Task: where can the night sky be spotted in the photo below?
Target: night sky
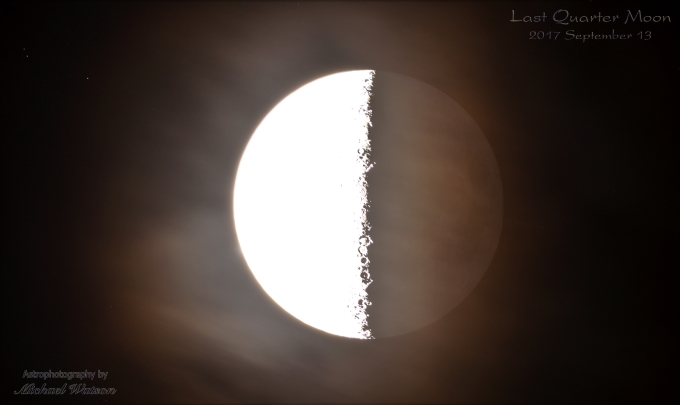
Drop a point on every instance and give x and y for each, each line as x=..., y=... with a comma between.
x=123, y=125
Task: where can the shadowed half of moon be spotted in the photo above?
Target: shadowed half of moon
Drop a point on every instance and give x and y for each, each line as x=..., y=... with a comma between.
x=368, y=204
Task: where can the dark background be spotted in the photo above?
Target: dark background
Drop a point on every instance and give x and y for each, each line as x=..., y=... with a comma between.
x=123, y=124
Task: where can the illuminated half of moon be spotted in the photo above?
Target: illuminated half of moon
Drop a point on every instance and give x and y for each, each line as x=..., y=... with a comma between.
x=300, y=203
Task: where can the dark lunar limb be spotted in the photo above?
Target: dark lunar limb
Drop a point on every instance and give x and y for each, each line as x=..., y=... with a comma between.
x=435, y=205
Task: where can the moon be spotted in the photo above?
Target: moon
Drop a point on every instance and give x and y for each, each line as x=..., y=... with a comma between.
x=300, y=203
x=367, y=204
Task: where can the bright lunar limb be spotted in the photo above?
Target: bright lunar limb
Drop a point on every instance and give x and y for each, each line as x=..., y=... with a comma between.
x=300, y=202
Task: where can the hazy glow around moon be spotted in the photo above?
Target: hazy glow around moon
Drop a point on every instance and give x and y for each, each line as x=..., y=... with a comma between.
x=300, y=203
